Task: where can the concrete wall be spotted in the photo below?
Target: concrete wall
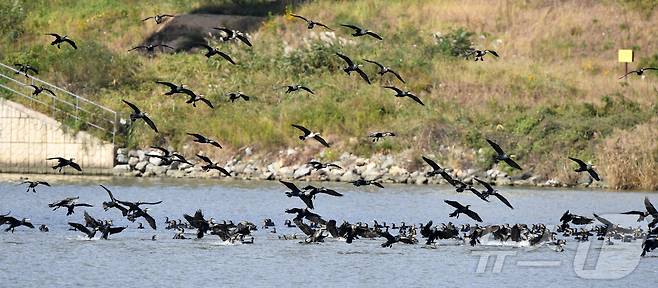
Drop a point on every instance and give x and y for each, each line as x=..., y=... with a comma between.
x=28, y=137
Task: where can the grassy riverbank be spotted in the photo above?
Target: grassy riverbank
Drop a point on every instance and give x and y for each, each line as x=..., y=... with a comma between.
x=553, y=92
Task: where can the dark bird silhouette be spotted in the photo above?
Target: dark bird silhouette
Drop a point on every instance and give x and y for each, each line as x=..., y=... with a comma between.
x=308, y=134
x=364, y=182
x=310, y=24
x=233, y=34
x=232, y=96
x=479, y=54
x=502, y=156
x=400, y=93
x=650, y=210
x=214, y=51
x=639, y=72
x=174, y=89
x=150, y=48
x=383, y=70
x=462, y=209
x=586, y=167
x=138, y=114
x=491, y=191
x=158, y=18
x=317, y=165
x=358, y=31
x=198, y=138
x=72, y=206
x=296, y=192
x=15, y=223
x=33, y=184
x=39, y=89
x=352, y=67
x=25, y=69
x=390, y=239
x=312, y=190
x=376, y=136
x=61, y=163
x=297, y=87
x=308, y=215
x=575, y=219
x=199, y=222
x=69, y=203
x=212, y=165
x=113, y=203
x=437, y=170
x=649, y=244
x=196, y=98
x=62, y=39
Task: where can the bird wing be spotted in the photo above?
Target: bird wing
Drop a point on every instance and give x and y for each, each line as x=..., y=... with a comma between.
x=650, y=68
x=633, y=213
x=415, y=98
x=290, y=186
x=198, y=137
x=71, y=43
x=147, y=18
x=49, y=91
x=306, y=131
x=204, y=158
x=495, y=147
x=168, y=84
x=375, y=62
x=606, y=222
x=54, y=35
x=75, y=166
x=351, y=26
x=650, y=208
x=373, y=34
x=115, y=230
x=363, y=75
x=503, y=199
x=81, y=228
x=473, y=215
x=581, y=163
x=386, y=235
x=345, y=58
x=150, y=123
x=44, y=183
x=511, y=162
x=167, y=46
x=448, y=178
x=492, y=52
x=132, y=106
x=136, y=47
x=565, y=217
x=377, y=184
x=322, y=25
x=150, y=220
x=307, y=89
x=307, y=200
x=321, y=140
x=108, y=192
x=396, y=75
x=330, y=192
x=454, y=204
x=478, y=193
x=223, y=171
x=82, y=205
x=396, y=89
x=148, y=203
x=485, y=184
x=204, y=100
x=225, y=56
x=244, y=39
x=300, y=17
x=163, y=150
x=302, y=226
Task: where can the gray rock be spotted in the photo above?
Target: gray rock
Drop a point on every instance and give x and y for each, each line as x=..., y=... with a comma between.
x=122, y=151
x=421, y=180
x=155, y=161
x=302, y=171
x=122, y=168
x=175, y=173
x=349, y=176
x=133, y=153
x=122, y=159
x=141, y=166
x=132, y=161
x=155, y=170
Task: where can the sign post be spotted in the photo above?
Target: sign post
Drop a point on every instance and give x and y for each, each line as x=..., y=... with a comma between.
x=625, y=56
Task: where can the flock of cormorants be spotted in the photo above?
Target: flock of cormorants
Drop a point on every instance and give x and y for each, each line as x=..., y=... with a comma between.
x=315, y=227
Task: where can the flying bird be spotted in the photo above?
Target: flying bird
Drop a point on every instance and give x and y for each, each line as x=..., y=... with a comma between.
x=390, y=239
x=502, y=156
x=310, y=24
x=25, y=69
x=198, y=138
x=158, y=18
x=491, y=191
x=297, y=87
x=308, y=134
x=138, y=114
x=351, y=67
x=196, y=98
x=582, y=167
x=211, y=165
x=233, y=34
x=39, y=89
x=62, y=39
x=33, y=184
x=383, y=70
x=214, y=51
x=317, y=165
x=151, y=47
x=364, y=182
x=650, y=211
x=400, y=93
x=61, y=163
x=376, y=136
x=174, y=89
x=639, y=72
x=462, y=209
x=232, y=96
x=479, y=54
x=358, y=31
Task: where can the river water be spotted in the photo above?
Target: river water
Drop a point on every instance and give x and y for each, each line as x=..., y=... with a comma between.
x=63, y=258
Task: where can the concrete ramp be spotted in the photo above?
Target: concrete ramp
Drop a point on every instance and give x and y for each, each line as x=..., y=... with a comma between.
x=28, y=137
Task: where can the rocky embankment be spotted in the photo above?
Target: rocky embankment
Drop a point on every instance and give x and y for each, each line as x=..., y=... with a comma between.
x=248, y=166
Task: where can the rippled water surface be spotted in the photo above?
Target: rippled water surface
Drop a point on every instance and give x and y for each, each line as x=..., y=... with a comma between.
x=62, y=258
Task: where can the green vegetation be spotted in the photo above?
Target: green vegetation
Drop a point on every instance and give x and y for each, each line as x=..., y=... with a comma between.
x=553, y=92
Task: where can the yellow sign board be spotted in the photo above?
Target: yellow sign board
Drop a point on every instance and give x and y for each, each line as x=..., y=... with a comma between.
x=625, y=56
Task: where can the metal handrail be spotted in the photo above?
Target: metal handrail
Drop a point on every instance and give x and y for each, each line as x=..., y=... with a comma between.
x=107, y=115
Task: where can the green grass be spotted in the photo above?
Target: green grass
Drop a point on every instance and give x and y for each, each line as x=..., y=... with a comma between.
x=552, y=93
